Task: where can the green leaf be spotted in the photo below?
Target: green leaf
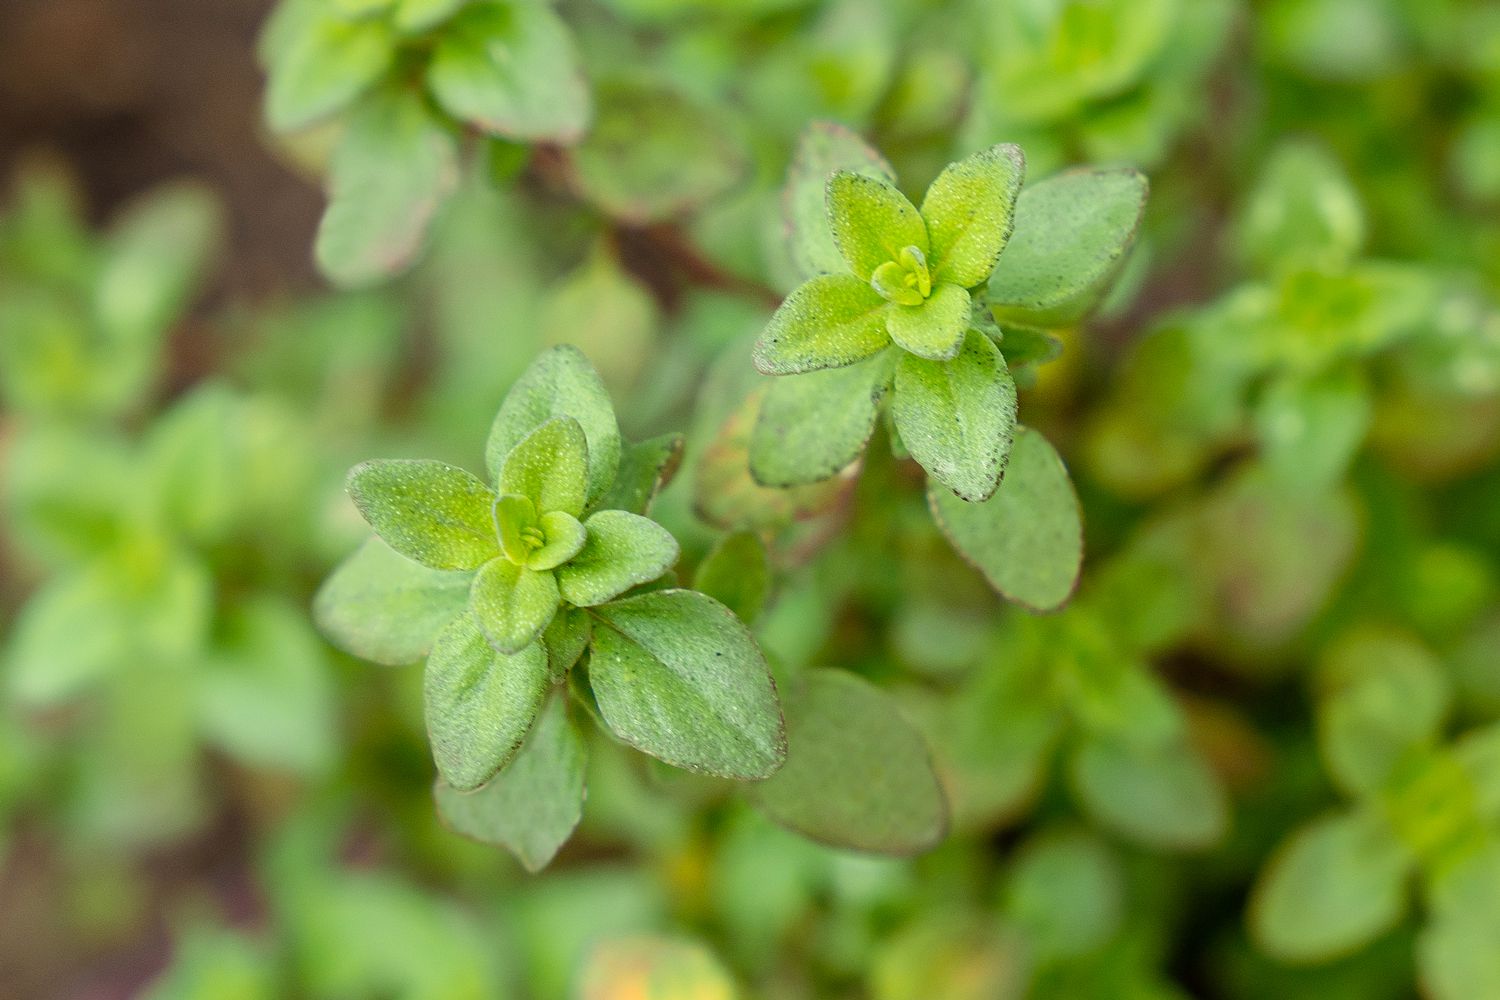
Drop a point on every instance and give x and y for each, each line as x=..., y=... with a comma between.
x=434, y=513
x=1072, y=234
x=413, y=16
x=646, y=468
x=1311, y=428
x=823, y=148
x=566, y=639
x=1332, y=887
x=510, y=67
x=830, y=321
x=158, y=251
x=550, y=467
x=654, y=152
x=391, y=170
x=559, y=383
x=677, y=676
x=1479, y=753
x=563, y=538
x=622, y=550
x=1066, y=893
x=324, y=67
x=532, y=807
x=737, y=573
x=266, y=691
x=957, y=417
x=1166, y=797
x=1027, y=539
x=127, y=609
x=872, y=221
x=970, y=212
x=812, y=426
x=857, y=773
x=934, y=329
x=381, y=606
x=1303, y=212
x=1382, y=695
x=512, y=603
x=479, y=702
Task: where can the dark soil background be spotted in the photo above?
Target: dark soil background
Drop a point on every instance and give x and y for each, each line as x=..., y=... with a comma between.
x=129, y=93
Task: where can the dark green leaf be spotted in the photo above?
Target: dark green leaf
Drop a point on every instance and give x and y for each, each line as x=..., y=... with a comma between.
x=646, y=467
x=737, y=573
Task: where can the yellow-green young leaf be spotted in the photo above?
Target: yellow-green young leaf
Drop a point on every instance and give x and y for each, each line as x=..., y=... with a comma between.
x=532, y=806
x=1072, y=235
x=654, y=968
x=1382, y=694
x=1027, y=539
x=381, y=606
x=934, y=329
x=419, y=15
x=479, y=702
x=510, y=67
x=646, y=467
x=812, y=426
x=970, y=212
x=265, y=691
x=562, y=538
x=677, y=676
x=392, y=169
x=737, y=573
x=1065, y=893
x=872, y=221
x=654, y=153
x=1166, y=797
x=622, y=550
x=830, y=321
x=323, y=67
x=857, y=773
x=559, y=383
x=550, y=467
x=514, y=515
x=434, y=513
x=1332, y=887
x=957, y=417
x=512, y=604
x=823, y=148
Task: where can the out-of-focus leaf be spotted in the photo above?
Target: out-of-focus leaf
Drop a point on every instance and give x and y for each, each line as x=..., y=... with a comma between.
x=737, y=573
x=654, y=968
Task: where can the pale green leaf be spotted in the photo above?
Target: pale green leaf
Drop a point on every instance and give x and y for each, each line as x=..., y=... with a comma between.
x=1166, y=797
x=823, y=148
x=857, y=773
x=1066, y=893
x=1479, y=753
x=622, y=550
x=550, y=467
x=872, y=221
x=479, y=703
x=265, y=691
x=381, y=606
x=737, y=573
x=559, y=383
x=934, y=329
x=1027, y=539
x=323, y=67
x=512, y=604
x=957, y=418
x=532, y=806
x=437, y=514
x=414, y=16
x=391, y=170
x=510, y=67
x=677, y=676
x=1330, y=888
x=1072, y=234
x=830, y=321
x=812, y=426
x=1310, y=429
x=157, y=252
x=1303, y=211
x=970, y=212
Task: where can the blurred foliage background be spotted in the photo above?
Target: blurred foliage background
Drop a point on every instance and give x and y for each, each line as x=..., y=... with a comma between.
x=1257, y=755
